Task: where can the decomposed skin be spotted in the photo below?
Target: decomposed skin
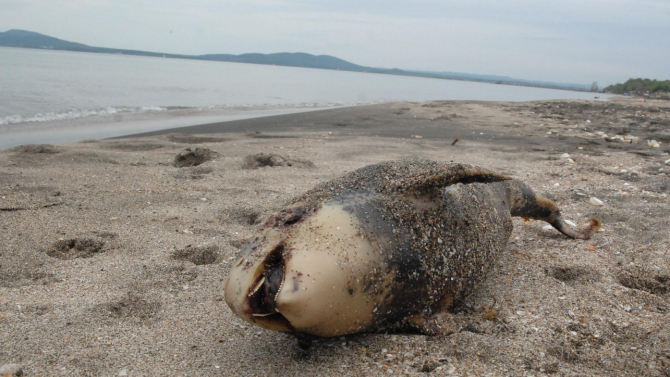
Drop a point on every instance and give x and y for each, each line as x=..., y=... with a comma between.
x=386, y=247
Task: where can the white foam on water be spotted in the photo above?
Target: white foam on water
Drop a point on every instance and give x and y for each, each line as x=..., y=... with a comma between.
x=77, y=113
x=111, y=111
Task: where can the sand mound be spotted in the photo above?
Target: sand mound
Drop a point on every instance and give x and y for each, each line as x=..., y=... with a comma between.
x=260, y=160
x=193, y=157
x=242, y=215
x=657, y=284
x=75, y=248
x=575, y=274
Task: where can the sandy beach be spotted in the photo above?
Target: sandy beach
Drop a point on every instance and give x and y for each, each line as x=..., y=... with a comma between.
x=112, y=259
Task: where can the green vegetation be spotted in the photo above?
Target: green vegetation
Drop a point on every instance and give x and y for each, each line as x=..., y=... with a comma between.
x=640, y=86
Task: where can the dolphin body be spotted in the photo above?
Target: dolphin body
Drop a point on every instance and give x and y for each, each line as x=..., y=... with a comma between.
x=387, y=247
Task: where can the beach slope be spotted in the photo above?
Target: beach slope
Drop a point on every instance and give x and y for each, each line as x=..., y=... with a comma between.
x=113, y=253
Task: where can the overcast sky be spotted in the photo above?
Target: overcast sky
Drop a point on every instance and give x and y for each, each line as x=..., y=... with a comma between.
x=578, y=41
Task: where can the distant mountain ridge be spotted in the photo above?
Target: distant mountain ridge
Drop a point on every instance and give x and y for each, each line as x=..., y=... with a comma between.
x=295, y=59
x=30, y=39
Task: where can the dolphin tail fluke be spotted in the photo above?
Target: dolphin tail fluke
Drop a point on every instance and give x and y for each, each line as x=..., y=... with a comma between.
x=524, y=203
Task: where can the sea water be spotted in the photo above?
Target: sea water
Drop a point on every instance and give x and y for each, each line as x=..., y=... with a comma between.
x=60, y=96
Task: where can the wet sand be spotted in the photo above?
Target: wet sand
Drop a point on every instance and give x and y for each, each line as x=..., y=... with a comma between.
x=112, y=259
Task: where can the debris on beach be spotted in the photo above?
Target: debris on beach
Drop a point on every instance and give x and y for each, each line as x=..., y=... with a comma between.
x=622, y=138
x=75, y=248
x=193, y=157
x=596, y=202
x=36, y=149
x=11, y=370
x=260, y=160
x=653, y=143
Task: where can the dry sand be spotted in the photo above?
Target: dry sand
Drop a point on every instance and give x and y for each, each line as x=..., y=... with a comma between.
x=112, y=260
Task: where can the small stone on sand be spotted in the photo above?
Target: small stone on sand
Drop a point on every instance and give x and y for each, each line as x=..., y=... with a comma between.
x=11, y=370
x=653, y=143
x=596, y=202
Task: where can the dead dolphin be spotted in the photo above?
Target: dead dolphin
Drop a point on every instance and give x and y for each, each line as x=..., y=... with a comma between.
x=386, y=247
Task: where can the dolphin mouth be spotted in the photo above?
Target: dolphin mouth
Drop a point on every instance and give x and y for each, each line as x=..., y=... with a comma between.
x=261, y=302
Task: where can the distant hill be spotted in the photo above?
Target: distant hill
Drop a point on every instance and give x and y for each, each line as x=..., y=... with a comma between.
x=29, y=39
x=298, y=59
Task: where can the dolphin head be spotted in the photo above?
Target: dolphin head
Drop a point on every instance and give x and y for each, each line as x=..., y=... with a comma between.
x=309, y=272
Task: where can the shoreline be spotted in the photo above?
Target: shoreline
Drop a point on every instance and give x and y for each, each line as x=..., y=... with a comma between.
x=390, y=120
x=346, y=120
x=142, y=293
x=118, y=125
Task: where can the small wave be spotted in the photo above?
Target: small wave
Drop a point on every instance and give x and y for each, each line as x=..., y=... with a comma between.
x=109, y=111
x=77, y=113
